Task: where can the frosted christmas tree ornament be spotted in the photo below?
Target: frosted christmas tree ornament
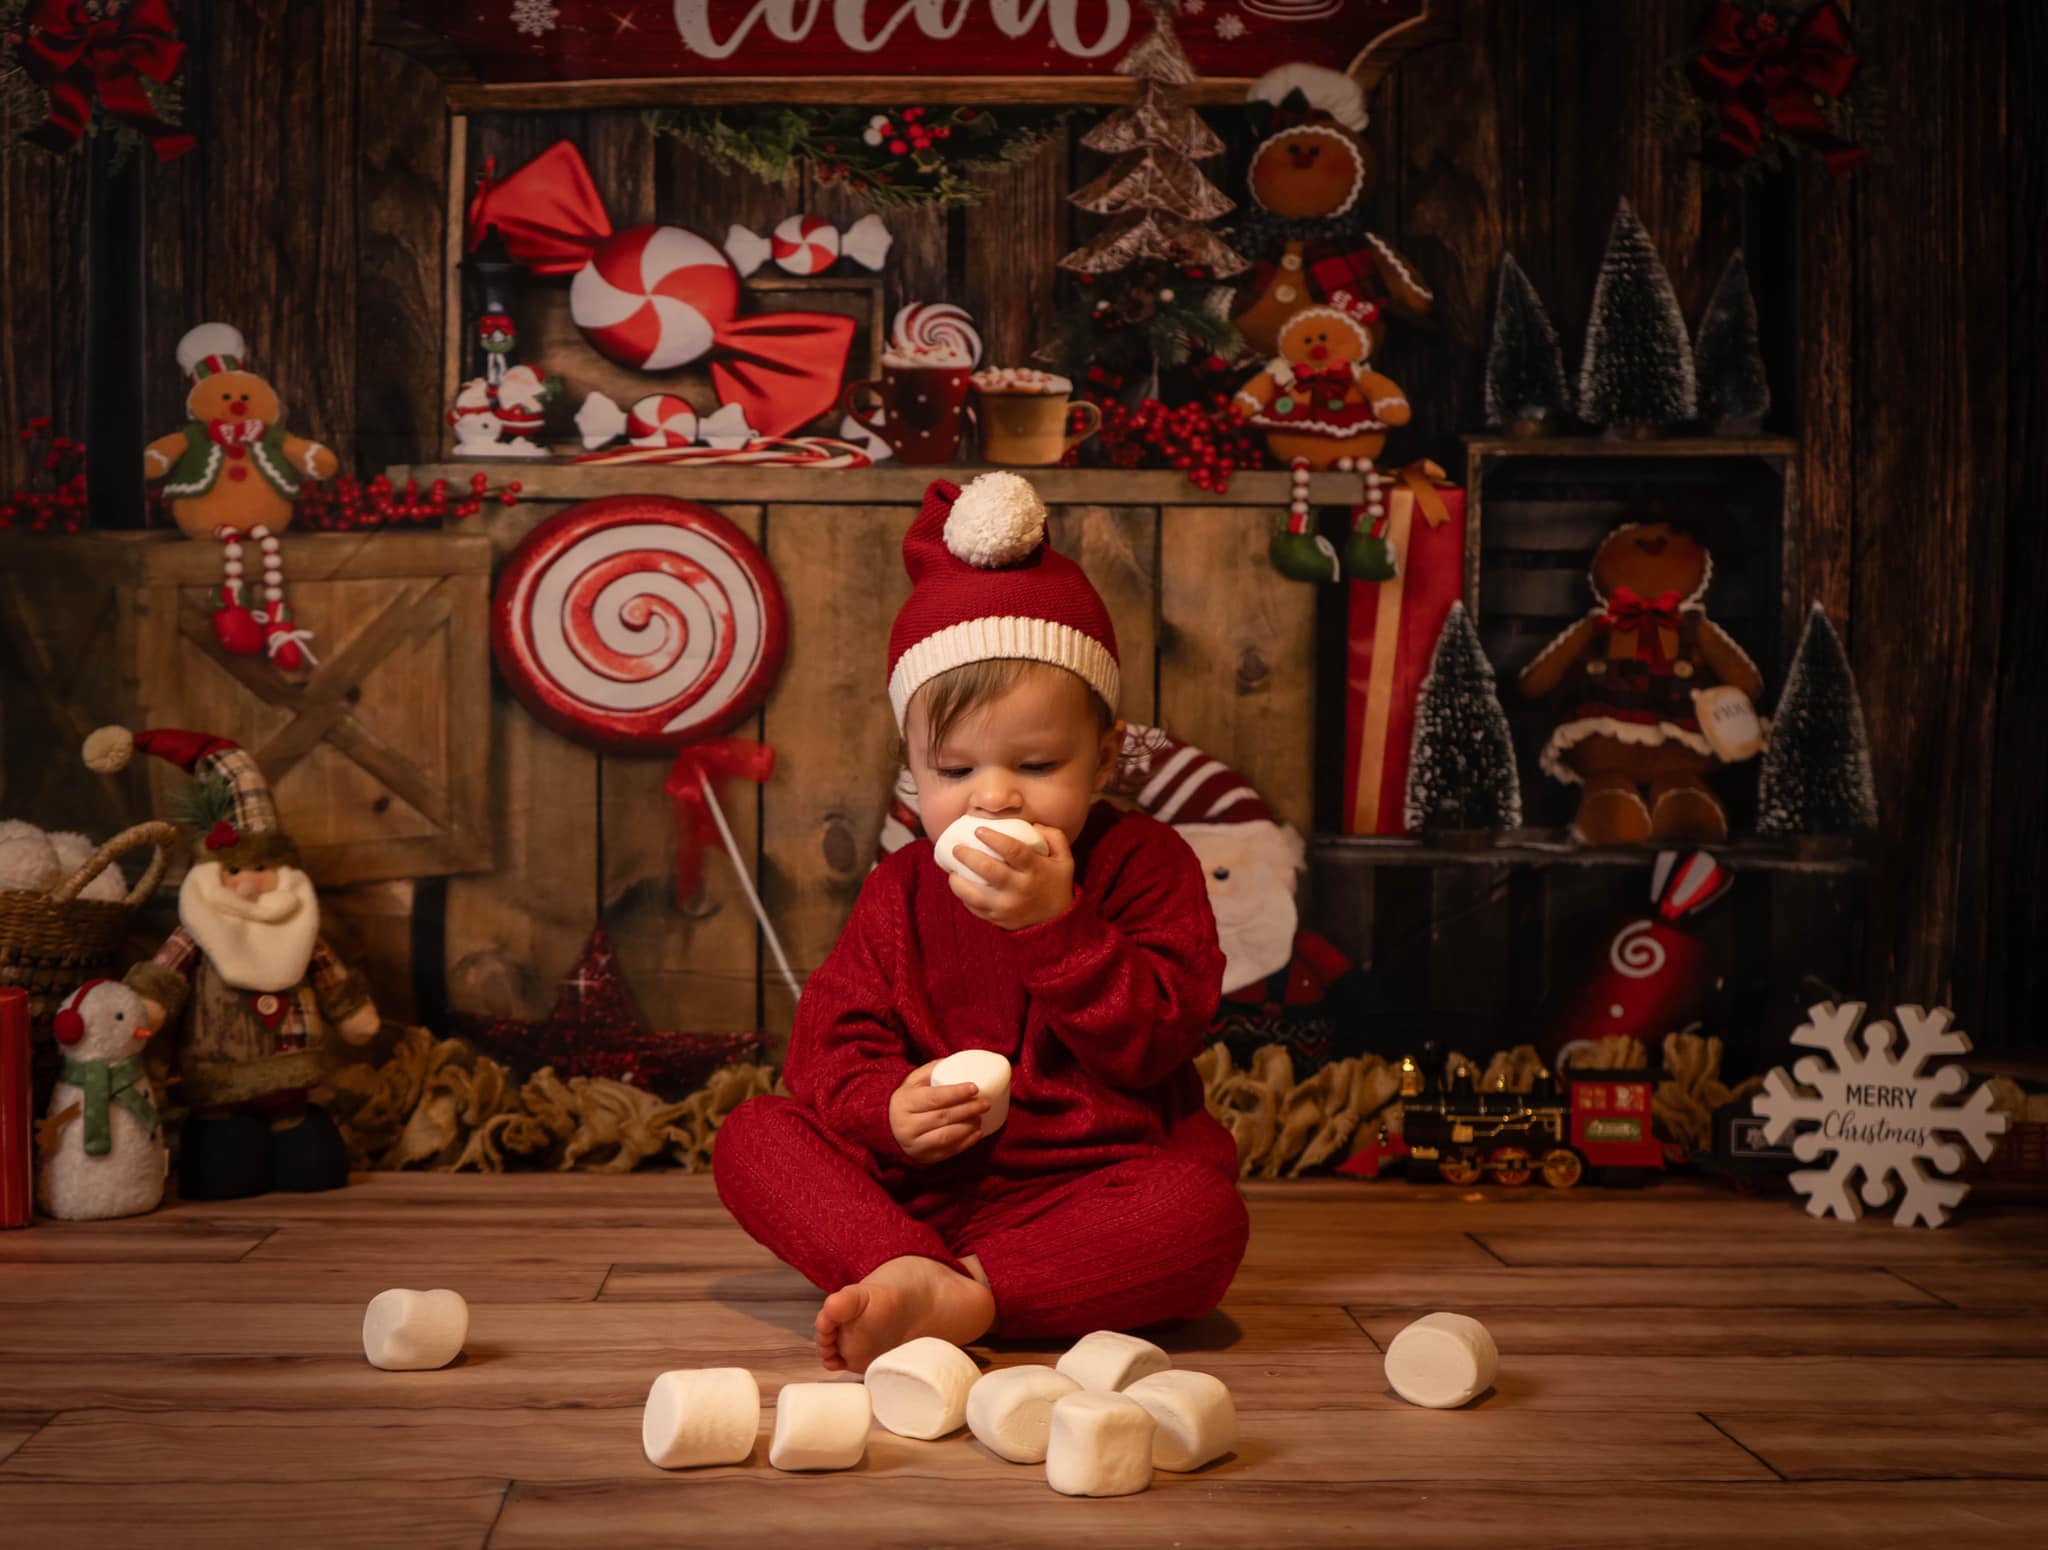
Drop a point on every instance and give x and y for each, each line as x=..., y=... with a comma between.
x=1637, y=373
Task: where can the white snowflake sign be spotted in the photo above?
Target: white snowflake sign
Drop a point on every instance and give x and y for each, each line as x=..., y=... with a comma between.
x=1880, y=1114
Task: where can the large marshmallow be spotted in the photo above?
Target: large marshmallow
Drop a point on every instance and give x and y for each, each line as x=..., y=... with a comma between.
x=1192, y=1414
x=820, y=1426
x=1010, y=1410
x=1101, y=1445
x=961, y=832
x=407, y=1331
x=920, y=1389
x=1108, y=1361
x=989, y=1072
x=1442, y=1361
x=701, y=1415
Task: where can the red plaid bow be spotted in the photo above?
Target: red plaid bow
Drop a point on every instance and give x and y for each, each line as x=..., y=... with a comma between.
x=1757, y=71
x=76, y=57
x=1627, y=611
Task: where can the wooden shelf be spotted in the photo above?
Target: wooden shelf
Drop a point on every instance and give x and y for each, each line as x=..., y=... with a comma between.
x=1591, y=445
x=1554, y=847
x=888, y=484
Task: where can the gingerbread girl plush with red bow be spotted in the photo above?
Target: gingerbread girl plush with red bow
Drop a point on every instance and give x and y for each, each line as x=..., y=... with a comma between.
x=1624, y=678
x=259, y=987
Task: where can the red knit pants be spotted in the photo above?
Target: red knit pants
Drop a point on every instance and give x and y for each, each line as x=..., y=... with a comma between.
x=1126, y=1245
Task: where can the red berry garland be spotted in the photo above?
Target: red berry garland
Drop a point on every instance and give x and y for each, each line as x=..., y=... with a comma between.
x=1202, y=438
x=345, y=505
x=62, y=507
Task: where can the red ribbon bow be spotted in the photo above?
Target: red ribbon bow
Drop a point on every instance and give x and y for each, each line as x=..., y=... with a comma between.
x=1755, y=70
x=782, y=368
x=720, y=759
x=76, y=57
x=1341, y=376
x=1629, y=614
x=223, y=835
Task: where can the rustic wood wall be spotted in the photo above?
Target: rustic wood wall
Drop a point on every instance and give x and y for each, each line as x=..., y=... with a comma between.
x=1904, y=306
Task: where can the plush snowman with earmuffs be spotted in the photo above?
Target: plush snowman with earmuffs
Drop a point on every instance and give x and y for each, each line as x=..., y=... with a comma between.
x=102, y=1146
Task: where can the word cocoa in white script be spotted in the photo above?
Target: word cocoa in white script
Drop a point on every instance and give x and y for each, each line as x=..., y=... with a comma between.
x=1084, y=29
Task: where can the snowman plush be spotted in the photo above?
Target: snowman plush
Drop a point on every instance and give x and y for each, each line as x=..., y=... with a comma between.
x=102, y=1145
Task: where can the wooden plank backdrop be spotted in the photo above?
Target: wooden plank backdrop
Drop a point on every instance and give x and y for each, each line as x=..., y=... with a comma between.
x=1900, y=304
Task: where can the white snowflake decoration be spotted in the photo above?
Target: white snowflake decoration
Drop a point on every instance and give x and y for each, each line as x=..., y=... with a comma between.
x=535, y=18
x=1230, y=28
x=1878, y=1114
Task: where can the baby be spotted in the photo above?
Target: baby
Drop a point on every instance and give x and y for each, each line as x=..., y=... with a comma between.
x=1108, y=1199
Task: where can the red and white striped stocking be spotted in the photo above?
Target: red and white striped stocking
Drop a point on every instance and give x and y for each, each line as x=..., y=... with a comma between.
x=291, y=648
x=234, y=626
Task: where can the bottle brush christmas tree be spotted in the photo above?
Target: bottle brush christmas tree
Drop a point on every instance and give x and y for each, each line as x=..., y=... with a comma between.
x=1637, y=373
x=1816, y=772
x=1525, y=386
x=1461, y=764
x=1733, y=390
x=1146, y=291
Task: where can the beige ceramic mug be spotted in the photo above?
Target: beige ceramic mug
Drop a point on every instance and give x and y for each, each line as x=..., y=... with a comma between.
x=1024, y=417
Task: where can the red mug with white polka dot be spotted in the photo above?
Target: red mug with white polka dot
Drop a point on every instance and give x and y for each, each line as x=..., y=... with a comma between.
x=923, y=408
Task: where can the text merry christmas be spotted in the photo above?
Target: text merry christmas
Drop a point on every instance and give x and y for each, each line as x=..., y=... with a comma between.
x=1083, y=29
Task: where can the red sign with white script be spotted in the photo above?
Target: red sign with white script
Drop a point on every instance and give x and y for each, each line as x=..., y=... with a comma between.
x=533, y=41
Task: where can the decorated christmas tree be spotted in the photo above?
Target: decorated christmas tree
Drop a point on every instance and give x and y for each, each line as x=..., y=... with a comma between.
x=1461, y=765
x=1146, y=293
x=1733, y=391
x=1637, y=373
x=1525, y=385
x=1816, y=772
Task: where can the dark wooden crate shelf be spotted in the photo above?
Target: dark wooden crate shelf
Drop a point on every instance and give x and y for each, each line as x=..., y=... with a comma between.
x=1555, y=847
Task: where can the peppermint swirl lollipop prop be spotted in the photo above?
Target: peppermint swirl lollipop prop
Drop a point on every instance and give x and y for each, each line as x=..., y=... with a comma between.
x=641, y=624
x=935, y=328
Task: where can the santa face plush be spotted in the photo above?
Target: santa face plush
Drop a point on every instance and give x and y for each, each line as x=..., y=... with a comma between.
x=1311, y=171
x=1249, y=870
x=256, y=924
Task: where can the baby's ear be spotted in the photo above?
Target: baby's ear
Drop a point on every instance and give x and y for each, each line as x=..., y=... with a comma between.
x=1109, y=755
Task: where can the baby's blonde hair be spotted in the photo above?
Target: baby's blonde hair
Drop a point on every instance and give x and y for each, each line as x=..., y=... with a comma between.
x=951, y=696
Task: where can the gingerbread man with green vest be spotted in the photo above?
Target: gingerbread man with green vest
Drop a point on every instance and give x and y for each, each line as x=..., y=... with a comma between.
x=231, y=475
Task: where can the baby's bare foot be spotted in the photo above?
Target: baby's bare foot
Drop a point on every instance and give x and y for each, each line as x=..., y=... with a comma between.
x=899, y=1301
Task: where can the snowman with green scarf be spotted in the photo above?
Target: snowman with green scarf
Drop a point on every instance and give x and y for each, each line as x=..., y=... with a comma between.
x=102, y=1146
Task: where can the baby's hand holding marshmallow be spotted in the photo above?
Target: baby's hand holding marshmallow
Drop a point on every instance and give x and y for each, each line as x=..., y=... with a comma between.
x=1010, y=882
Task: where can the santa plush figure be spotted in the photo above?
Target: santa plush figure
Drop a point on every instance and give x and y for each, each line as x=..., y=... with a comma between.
x=258, y=987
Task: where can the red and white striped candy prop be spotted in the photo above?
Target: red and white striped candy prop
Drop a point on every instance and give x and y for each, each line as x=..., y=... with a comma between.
x=638, y=623
x=934, y=332
x=805, y=244
x=653, y=298
x=661, y=420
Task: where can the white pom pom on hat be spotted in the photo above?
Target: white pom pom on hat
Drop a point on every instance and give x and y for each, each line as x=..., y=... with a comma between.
x=222, y=339
x=996, y=520
x=108, y=749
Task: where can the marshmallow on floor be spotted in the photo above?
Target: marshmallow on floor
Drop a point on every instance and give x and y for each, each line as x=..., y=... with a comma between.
x=989, y=1072
x=1108, y=1360
x=820, y=1426
x=1010, y=1410
x=920, y=1388
x=1442, y=1361
x=701, y=1415
x=1101, y=1445
x=408, y=1331
x=1192, y=1414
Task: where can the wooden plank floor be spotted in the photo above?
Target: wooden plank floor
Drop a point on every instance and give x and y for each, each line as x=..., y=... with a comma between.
x=1679, y=1366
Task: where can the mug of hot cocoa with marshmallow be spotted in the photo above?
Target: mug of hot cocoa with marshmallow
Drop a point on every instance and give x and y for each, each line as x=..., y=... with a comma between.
x=1025, y=414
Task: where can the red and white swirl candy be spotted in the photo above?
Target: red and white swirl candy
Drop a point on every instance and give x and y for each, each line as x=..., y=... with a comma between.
x=638, y=623
x=935, y=332
x=655, y=297
x=661, y=420
x=810, y=245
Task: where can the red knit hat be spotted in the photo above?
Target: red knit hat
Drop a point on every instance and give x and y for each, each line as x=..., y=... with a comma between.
x=985, y=585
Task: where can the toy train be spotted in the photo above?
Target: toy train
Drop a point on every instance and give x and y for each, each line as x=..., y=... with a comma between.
x=1455, y=1132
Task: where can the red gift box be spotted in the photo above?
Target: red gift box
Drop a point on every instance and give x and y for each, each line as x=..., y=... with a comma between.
x=1392, y=635
x=16, y=1111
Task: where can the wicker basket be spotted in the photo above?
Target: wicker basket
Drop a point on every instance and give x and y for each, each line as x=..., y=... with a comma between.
x=52, y=942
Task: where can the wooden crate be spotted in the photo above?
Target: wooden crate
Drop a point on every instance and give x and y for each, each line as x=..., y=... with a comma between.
x=379, y=756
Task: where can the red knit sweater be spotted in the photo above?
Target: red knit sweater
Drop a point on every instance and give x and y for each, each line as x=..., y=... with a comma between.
x=1100, y=1012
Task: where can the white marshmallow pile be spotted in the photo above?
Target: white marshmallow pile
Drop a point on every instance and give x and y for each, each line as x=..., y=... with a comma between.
x=961, y=832
x=1021, y=379
x=1193, y=1418
x=1010, y=1411
x=408, y=1331
x=989, y=1072
x=1101, y=1445
x=1107, y=1361
x=920, y=1389
x=1442, y=1361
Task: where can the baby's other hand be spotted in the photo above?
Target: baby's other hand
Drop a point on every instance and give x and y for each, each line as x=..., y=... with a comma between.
x=931, y=1123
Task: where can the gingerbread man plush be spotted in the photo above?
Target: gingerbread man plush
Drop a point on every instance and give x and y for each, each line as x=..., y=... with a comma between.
x=231, y=474
x=1308, y=179
x=1624, y=678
